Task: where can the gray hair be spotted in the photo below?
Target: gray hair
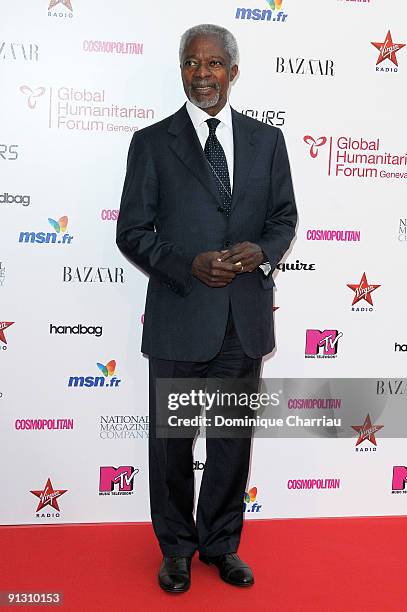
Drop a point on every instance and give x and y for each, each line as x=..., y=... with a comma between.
x=208, y=29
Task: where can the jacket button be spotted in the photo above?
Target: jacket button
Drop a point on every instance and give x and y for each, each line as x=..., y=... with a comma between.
x=221, y=209
x=227, y=243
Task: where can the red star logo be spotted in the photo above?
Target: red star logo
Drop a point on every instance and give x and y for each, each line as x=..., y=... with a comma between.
x=48, y=496
x=363, y=290
x=367, y=431
x=4, y=325
x=66, y=3
x=387, y=49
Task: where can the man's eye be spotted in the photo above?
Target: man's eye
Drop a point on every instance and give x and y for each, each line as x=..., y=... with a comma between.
x=216, y=63
x=190, y=63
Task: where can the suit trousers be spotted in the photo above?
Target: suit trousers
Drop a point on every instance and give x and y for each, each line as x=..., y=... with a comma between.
x=219, y=518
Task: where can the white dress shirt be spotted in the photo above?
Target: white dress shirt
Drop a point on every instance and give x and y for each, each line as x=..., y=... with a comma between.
x=224, y=133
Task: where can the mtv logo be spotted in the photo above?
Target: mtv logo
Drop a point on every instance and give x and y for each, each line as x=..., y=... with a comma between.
x=325, y=342
x=121, y=478
x=399, y=478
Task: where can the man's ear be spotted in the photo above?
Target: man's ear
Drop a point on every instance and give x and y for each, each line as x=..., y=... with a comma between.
x=233, y=72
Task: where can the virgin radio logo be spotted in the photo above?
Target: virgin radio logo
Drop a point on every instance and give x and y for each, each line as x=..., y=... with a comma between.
x=322, y=344
x=60, y=8
x=58, y=236
x=3, y=326
x=363, y=293
x=387, y=53
x=117, y=481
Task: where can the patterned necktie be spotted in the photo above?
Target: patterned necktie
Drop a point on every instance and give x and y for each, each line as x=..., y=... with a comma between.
x=217, y=161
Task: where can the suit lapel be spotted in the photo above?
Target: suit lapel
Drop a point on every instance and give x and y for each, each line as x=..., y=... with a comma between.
x=244, y=153
x=187, y=148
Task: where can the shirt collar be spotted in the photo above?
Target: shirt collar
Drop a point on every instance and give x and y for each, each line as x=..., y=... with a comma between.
x=199, y=116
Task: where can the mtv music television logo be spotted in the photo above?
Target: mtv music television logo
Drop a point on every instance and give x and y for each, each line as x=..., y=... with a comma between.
x=108, y=380
x=399, y=479
x=272, y=13
x=322, y=344
x=117, y=481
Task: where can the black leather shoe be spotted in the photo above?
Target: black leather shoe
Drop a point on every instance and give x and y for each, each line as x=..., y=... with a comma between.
x=175, y=574
x=231, y=569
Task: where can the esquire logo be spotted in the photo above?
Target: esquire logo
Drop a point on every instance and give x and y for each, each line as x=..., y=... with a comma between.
x=92, y=274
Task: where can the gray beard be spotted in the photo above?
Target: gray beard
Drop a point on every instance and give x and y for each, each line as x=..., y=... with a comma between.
x=208, y=103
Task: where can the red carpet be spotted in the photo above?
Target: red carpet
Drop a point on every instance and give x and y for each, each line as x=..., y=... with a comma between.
x=327, y=565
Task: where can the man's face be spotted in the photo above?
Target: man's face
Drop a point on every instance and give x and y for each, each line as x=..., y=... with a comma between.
x=206, y=73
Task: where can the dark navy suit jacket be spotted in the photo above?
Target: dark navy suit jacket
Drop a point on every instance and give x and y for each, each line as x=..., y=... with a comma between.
x=171, y=210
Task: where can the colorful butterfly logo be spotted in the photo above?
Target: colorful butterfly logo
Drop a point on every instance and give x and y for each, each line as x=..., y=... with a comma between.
x=108, y=369
x=275, y=4
x=251, y=495
x=60, y=225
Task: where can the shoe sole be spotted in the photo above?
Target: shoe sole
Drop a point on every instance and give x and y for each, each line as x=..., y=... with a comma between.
x=175, y=592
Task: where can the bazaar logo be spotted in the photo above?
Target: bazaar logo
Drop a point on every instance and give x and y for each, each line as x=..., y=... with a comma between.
x=322, y=343
x=387, y=51
x=59, y=228
x=108, y=380
x=32, y=94
x=117, y=481
x=363, y=291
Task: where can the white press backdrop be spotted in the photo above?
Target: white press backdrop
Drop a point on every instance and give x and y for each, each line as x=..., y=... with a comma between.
x=59, y=159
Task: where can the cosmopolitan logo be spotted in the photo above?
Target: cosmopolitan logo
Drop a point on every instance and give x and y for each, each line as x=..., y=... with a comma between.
x=314, y=483
x=124, y=427
x=310, y=403
x=12, y=51
x=58, y=236
x=107, y=46
x=108, y=380
x=349, y=157
x=271, y=13
x=109, y=215
x=92, y=330
x=8, y=198
x=40, y=424
x=391, y=387
x=90, y=274
x=334, y=235
x=271, y=117
x=399, y=480
x=305, y=66
x=322, y=344
x=298, y=265
x=117, y=481
x=71, y=109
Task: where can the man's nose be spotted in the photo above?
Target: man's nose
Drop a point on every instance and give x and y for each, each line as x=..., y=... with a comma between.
x=203, y=70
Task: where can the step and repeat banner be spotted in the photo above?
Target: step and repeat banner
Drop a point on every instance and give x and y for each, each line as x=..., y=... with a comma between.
x=78, y=78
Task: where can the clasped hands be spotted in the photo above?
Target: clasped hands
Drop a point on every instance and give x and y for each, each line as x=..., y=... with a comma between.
x=219, y=268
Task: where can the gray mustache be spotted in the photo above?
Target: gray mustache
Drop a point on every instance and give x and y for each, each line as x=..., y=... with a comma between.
x=205, y=84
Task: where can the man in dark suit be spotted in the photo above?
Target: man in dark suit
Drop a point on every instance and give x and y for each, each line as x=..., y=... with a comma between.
x=207, y=211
